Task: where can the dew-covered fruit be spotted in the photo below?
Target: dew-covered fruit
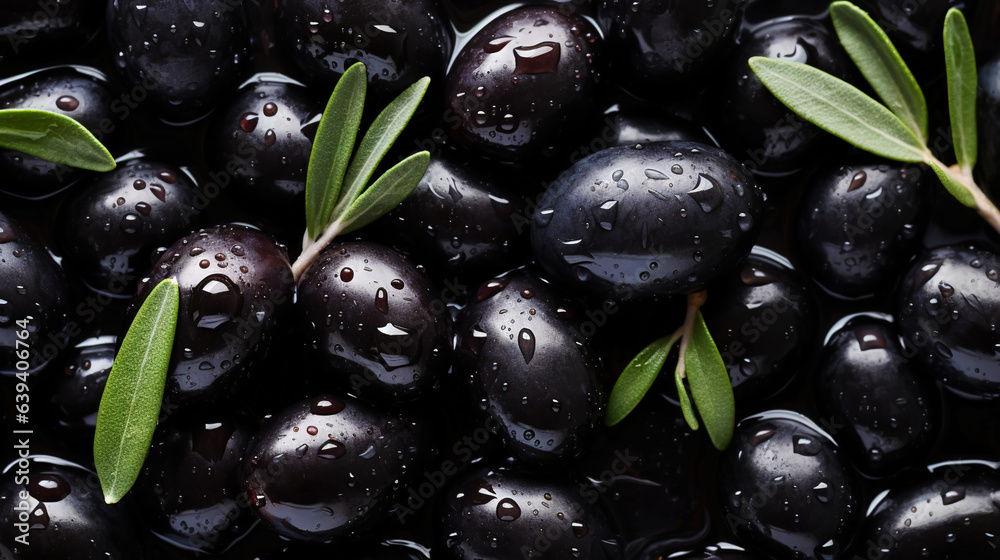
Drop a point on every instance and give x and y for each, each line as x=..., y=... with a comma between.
x=497, y=514
x=77, y=388
x=523, y=83
x=178, y=59
x=947, y=307
x=755, y=125
x=189, y=491
x=657, y=219
x=236, y=288
x=950, y=512
x=765, y=321
x=464, y=216
x=786, y=490
x=326, y=467
x=890, y=412
x=259, y=142
x=658, y=45
x=110, y=228
x=858, y=224
x=376, y=324
x=34, y=302
x=399, y=42
x=525, y=365
x=66, y=514
x=78, y=92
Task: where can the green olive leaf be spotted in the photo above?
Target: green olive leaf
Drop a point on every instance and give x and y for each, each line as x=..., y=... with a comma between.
x=960, y=62
x=955, y=187
x=53, y=137
x=686, y=409
x=839, y=108
x=386, y=193
x=332, y=148
x=130, y=404
x=377, y=141
x=637, y=377
x=879, y=61
x=711, y=388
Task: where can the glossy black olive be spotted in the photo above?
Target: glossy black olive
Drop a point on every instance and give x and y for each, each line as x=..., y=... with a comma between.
x=327, y=467
x=786, y=490
x=29, y=28
x=179, y=59
x=76, y=392
x=525, y=364
x=78, y=92
x=523, y=83
x=765, y=322
x=375, y=322
x=947, y=307
x=889, y=410
x=858, y=224
x=111, y=227
x=661, y=218
x=496, y=514
x=236, y=289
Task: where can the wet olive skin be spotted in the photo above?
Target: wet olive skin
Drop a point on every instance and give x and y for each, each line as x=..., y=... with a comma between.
x=785, y=489
x=464, y=217
x=399, y=42
x=717, y=553
x=495, y=514
x=374, y=322
x=29, y=28
x=757, y=127
x=76, y=392
x=80, y=93
x=889, y=410
x=522, y=360
x=764, y=320
x=858, y=224
x=524, y=83
x=235, y=290
x=661, y=43
x=111, y=227
x=184, y=57
x=262, y=139
x=189, y=491
x=33, y=289
x=947, y=304
x=948, y=513
x=326, y=467
x=634, y=222
x=68, y=516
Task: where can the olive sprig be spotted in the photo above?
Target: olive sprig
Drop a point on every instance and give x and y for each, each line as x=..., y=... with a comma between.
x=896, y=130
x=53, y=137
x=339, y=199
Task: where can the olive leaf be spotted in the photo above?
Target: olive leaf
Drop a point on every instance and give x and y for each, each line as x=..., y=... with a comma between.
x=960, y=63
x=386, y=193
x=130, y=404
x=710, y=385
x=53, y=137
x=637, y=378
x=879, y=61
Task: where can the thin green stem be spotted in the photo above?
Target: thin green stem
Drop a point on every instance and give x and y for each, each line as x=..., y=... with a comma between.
x=984, y=205
x=312, y=251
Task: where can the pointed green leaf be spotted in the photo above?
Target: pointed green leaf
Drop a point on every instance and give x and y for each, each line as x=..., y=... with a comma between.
x=954, y=186
x=638, y=376
x=839, y=108
x=377, y=141
x=386, y=193
x=879, y=61
x=332, y=147
x=960, y=64
x=710, y=386
x=686, y=409
x=53, y=137
x=131, y=401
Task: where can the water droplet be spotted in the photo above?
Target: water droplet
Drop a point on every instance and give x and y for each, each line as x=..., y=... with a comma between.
x=476, y=339
x=580, y=529
x=248, y=122
x=744, y=221
x=676, y=169
x=542, y=58
x=857, y=181
x=143, y=208
x=491, y=288
x=656, y=175
x=529, y=435
x=946, y=289
x=508, y=510
x=806, y=445
x=270, y=137
x=325, y=406
x=706, y=193
x=495, y=45
x=301, y=450
x=926, y=272
x=67, y=103
x=270, y=109
x=138, y=184
x=543, y=217
x=952, y=495
x=753, y=276
x=381, y=300
x=312, y=430
x=943, y=349
x=158, y=191
x=617, y=175
x=870, y=338
x=215, y=301
x=332, y=449
x=761, y=436
x=748, y=367
x=397, y=283
x=346, y=274
x=606, y=214
x=992, y=274
x=526, y=342
x=48, y=487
